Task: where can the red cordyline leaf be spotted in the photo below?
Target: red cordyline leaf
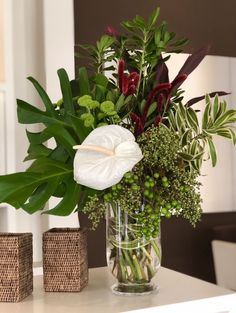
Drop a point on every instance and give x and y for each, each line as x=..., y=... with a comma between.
x=190, y=64
x=194, y=60
x=151, y=96
x=211, y=95
x=178, y=81
x=162, y=73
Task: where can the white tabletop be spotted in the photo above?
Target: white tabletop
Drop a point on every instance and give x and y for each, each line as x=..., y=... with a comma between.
x=97, y=297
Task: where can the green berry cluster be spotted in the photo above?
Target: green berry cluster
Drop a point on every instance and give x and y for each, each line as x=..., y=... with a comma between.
x=95, y=209
x=148, y=218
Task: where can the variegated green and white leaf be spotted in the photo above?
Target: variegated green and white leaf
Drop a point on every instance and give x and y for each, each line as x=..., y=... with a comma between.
x=233, y=135
x=172, y=121
x=185, y=137
x=206, y=116
x=212, y=151
x=216, y=108
x=186, y=156
x=225, y=118
x=192, y=120
x=182, y=111
x=193, y=147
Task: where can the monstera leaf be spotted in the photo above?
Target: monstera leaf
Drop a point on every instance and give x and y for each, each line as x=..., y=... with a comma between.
x=51, y=172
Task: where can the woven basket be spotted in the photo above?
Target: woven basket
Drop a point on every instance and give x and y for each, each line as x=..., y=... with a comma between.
x=16, y=266
x=65, y=264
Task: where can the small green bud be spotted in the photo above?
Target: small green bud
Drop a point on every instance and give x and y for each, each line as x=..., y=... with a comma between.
x=107, y=197
x=128, y=175
x=168, y=206
x=107, y=107
x=112, y=113
x=93, y=104
x=84, y=100
x=165, y=184
x=101, y=116
x=146, y=193
x=174, y=203
x=86, y=115
x=164, y=211
x=164, y=179
x=147, y=184
x=151, y=183
x=135, y=187
x=101, y=124
x=151, y=195
x=154, y=234
x=156, y=175
x=89, y=121
x=156, y=223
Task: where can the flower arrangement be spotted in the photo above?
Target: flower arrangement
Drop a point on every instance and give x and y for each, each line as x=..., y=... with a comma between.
x=140, y=145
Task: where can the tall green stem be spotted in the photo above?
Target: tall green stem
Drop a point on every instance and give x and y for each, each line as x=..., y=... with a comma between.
x=142, y=64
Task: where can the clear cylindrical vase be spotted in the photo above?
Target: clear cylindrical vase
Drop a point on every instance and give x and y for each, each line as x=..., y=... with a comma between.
x=132, y=258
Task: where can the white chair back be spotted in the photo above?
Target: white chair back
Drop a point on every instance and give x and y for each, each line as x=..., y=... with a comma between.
x=224, y=255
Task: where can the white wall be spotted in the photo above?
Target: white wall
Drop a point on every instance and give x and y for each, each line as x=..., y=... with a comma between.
x=38, y=40
x=59, y=52
x=2, y=69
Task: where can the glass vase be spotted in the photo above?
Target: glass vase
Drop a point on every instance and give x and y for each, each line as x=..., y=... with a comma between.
x=132, y=258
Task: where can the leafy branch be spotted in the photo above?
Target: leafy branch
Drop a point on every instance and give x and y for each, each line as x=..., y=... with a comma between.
x=196, y=139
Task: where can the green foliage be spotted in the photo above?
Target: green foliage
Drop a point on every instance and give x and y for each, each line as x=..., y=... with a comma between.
x=195, y=138
x=97, y=54
x=51, y=172
x=141, y=46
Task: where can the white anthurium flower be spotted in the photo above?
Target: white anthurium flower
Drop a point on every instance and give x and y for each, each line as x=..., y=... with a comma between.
x=105, y=156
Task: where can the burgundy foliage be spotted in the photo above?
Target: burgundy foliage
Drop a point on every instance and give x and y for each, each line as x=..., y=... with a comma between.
x=127, y=82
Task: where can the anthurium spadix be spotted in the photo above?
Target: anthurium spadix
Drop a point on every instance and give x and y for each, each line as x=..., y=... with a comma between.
x=105, y=156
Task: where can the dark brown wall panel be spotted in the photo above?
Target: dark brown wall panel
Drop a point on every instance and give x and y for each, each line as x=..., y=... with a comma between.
x=203, y=21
